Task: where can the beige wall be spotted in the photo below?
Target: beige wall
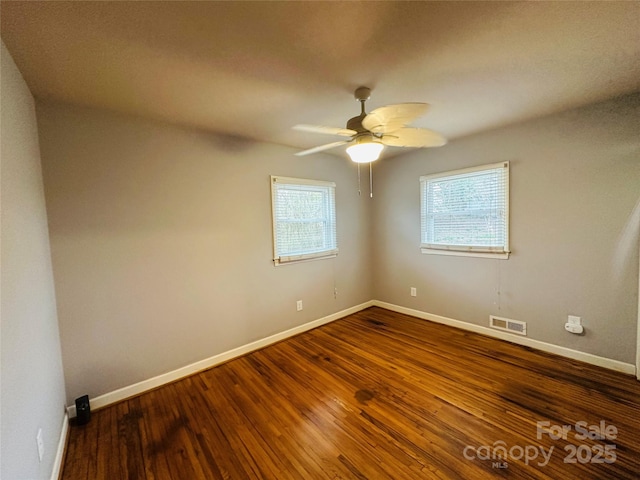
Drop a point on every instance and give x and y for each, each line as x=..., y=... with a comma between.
x=162, y=245
x=575, y=182
x=31, y=366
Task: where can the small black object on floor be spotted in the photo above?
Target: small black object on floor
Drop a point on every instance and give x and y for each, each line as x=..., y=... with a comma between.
x=83, y=410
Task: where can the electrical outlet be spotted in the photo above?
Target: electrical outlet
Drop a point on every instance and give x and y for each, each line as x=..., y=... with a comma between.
x=414, y=292
x=40, y=443
x=299, y=305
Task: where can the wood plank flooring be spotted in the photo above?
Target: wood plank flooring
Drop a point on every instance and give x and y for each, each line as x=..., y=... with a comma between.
x=375, y=395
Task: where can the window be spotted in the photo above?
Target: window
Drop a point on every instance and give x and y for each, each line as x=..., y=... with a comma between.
x=304, y=219
x=466, y=212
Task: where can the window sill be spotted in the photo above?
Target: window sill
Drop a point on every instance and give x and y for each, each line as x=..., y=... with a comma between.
x=278, y=262
x=459, y=253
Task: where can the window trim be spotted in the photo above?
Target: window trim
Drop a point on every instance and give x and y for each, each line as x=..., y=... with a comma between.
x=501, y=253
x=319, y=255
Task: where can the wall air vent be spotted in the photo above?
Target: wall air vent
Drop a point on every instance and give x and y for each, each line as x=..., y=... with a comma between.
x=508, y=325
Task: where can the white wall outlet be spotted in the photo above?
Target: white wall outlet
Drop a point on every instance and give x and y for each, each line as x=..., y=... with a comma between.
x=414, y=292
x=299, y=305
x=40, y=443
x=573, y=320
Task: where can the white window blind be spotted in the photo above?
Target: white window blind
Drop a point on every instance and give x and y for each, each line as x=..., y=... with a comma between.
x=466, y=211
x=304, y=219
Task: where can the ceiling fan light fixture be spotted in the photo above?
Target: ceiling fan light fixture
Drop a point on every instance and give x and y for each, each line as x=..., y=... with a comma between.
x=365, y=150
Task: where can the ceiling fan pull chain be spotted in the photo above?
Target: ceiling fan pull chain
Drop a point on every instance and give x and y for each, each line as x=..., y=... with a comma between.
x=370, y=180
x=359, y=192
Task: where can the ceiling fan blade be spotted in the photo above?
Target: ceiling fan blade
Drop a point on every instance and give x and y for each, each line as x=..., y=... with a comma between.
x=343, y=132
x=393, y=117
x=414, y=137
x=322, y=148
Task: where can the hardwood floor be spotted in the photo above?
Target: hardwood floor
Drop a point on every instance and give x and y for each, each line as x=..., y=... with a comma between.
x=374, y=395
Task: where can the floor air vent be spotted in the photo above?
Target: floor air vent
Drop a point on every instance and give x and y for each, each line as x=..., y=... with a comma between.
x=508, y=325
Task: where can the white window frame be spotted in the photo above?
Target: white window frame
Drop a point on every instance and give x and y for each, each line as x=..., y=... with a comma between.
x=426, y=247
x=330, y=245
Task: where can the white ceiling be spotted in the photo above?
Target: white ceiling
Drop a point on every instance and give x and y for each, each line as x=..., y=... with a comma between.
x=254, y=70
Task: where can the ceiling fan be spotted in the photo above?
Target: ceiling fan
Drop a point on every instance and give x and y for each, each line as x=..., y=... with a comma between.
x=370, y=132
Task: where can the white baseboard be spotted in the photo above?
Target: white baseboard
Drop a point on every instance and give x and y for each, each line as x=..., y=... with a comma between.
x=62, y=444
x=528, y=342
x=151, y=383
